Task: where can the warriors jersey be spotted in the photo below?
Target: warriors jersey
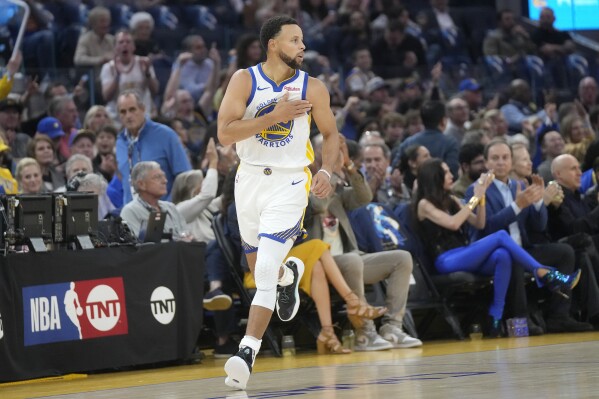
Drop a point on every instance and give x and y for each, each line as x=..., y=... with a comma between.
x=284, y=144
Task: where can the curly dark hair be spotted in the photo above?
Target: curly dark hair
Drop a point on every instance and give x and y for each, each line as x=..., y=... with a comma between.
x=272, y=27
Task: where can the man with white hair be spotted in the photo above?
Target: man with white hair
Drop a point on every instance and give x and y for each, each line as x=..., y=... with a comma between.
x=96, y=184
x=77, y=163
x=577, y=214
x=149, y=182
x=96, y=46
x=142, y=26
x=458, y=114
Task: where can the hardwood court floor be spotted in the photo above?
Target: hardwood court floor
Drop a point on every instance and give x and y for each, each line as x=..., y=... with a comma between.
x=551, y=366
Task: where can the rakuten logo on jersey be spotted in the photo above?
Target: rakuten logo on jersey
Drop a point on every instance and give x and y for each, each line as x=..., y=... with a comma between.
x=74, y=310
x=163, y=305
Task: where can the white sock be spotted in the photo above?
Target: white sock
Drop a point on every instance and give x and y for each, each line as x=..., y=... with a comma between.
x=287, y=277
x=253, y=343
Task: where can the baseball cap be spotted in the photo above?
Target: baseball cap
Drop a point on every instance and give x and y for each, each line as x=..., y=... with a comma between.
x=470, y=85
x=82, y=134
x=10, y=103
x=51, y=127
x=374, y=84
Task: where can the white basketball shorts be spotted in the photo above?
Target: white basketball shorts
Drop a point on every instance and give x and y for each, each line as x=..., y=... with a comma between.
x=270, y=203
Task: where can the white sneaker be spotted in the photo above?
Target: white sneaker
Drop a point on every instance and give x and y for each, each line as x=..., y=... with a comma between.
x=369, y=340
x=397, y=337
x=239, y=367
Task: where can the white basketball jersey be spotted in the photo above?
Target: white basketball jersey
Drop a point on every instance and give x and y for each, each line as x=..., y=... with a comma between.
x=285, y=144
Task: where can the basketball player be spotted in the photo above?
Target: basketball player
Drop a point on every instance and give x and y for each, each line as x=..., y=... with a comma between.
x=267, y=110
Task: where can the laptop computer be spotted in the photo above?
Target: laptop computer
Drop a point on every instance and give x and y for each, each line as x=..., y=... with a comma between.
x=151, y=230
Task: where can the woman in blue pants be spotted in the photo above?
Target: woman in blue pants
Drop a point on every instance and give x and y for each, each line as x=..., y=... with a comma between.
x=441, y=224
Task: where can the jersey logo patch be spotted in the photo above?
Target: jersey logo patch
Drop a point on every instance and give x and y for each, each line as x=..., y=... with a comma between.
x=277, y=132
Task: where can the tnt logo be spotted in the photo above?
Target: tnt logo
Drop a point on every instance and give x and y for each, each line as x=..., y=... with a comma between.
x=73, y=311
x=103, y=308
x=163, y=305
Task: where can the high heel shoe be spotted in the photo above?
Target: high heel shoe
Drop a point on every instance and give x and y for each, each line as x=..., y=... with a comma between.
x=493, y=327
x=358, y=311
x=327, y=342
x=556, y=281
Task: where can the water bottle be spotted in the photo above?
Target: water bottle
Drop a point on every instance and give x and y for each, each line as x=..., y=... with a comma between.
x=348, y=339
x=288, y=345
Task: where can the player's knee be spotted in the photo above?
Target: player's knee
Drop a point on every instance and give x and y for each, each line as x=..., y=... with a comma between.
x=266, y=273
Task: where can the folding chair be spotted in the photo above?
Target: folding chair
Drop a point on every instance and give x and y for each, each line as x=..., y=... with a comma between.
x=433, y=290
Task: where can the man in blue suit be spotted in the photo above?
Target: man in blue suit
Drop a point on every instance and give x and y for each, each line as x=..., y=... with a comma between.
x=520, y=210
x=439, y=145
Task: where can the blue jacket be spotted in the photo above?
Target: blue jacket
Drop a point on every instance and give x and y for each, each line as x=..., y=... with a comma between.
x=158, y=143
x=499, y=216
x=439, y=145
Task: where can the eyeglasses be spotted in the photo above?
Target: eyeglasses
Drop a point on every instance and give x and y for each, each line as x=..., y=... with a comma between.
x=158, y=177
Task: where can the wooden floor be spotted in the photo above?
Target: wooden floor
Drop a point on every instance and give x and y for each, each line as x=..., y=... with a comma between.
x=551, y=366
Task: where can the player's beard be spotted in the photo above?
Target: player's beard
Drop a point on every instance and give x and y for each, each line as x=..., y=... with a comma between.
x=291, y=62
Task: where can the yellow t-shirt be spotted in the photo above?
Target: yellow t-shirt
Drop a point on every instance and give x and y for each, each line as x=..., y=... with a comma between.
x=5, y=87
x=8, y=183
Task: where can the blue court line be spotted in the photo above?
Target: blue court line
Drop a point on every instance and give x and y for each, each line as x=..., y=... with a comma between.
x=345, y=387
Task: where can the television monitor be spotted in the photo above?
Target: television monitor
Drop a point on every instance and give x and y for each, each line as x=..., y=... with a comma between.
x=33, y=216
x=152, y=229
x=80, y=214
x=569, y=15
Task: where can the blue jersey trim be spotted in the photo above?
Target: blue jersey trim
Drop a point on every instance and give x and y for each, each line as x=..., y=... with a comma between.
x=275, y=87
x=283, y=236
x=305, y=86
x=247, y=248
x=272, y=237
x=253, y=91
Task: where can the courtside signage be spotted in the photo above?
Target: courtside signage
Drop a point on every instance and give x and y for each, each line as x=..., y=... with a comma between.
x=75, y=310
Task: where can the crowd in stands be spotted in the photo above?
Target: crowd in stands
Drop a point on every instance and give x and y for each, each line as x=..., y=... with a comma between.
x=123, y=97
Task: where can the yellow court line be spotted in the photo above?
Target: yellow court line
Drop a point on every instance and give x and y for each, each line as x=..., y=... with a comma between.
x=211, y=368
x=66, y=377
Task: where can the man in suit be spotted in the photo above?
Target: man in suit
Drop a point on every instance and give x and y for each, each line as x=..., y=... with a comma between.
x=575, y=215
x=520, y=211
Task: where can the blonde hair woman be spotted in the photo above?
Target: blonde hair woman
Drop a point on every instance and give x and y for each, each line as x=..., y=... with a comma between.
x=96, y=117
x=29, y=176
